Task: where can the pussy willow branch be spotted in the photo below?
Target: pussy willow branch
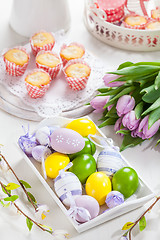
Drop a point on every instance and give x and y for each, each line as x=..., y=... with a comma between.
x=37, y=224
x=24, y=189
x=148, y=209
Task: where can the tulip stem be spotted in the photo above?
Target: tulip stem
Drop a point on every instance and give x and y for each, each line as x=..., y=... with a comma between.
x=19, y=210
x=24, y=189
x=148, y=209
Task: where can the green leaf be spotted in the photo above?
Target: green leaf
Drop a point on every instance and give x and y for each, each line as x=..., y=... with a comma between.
x=155, y=105
x=151, y=94
x=139, y=70
x=158, y=142
x=25, y=184
x=113, y=91
x=12, y=186
x=108, y=121
x=9, y=191
x=125, y=132
x=127, y=225
x=29, y=223
x=46, y=227
x=142, y=223
x=139, y=110
x=147, y=63
x=103, y=90
x=32, y=197
x=129, y=141
x=153, y=117
x=11, y=198
x=124, y=65
x=157, y=81
x=5, y=205
x=123, y=92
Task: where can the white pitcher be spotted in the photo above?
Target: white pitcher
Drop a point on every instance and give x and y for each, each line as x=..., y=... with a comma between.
x=30, y=16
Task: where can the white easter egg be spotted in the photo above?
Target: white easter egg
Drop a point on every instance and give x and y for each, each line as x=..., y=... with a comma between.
x=66, y=141
x=67, y=182
x=109, y=161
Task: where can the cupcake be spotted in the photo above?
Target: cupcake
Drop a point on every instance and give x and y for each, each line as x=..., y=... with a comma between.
x=155, y=13
x=77, y=73
x=16, y=61
x=135, y=22
x=72, y=51
x=37, y=83
x=155, y=25
x=42, y=41
x=49, y=62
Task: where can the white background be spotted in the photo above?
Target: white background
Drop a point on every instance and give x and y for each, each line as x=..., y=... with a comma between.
x=145, y=158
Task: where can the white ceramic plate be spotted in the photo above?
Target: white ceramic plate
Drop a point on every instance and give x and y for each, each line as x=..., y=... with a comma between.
x=141, y=196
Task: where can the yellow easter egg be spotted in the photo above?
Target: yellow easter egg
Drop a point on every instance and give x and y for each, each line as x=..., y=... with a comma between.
x=55, y=162
x=98, y=185
x=83, y=126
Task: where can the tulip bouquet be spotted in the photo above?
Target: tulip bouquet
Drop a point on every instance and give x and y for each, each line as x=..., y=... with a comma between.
x=131, y=101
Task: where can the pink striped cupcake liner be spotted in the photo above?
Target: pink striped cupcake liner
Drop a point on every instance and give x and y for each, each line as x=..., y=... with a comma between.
x=51, y=71
x=76, y=84
x=64, y=60
x=46, y=47
x=34, y=91
x=14, y=69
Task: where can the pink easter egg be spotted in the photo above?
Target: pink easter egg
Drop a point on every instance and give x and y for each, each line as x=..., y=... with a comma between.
x=66, y=141
x=89, y=203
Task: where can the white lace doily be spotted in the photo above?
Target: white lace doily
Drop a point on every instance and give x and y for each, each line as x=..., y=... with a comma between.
x=59, y=97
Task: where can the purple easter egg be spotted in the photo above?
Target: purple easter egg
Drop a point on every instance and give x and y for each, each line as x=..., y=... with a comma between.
x=90, y=204
x=66, y=141
x=114, y=198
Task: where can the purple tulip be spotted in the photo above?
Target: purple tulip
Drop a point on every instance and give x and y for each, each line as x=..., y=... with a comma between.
x=118, y=125
x=144, y=132
x=108, y=78
x=110, y=106
x=98, y=103
x=130, y=121
x=125, y=104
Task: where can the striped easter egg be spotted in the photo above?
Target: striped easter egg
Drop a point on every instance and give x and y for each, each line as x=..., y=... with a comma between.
x=65, y=183
x=109, y=161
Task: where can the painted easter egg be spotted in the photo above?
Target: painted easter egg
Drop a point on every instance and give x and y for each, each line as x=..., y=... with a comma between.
x=66, y=141
x=109, y=161
x=67, y=182
x=54, y=163
x=40, y=152
x=83, y=166
x=125, y=181
x=89, y=147
x=114, y=198
x=98, y=185
x=90, y=204
x=83, y=126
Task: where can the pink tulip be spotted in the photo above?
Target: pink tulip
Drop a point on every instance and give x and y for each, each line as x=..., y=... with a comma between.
x=108, y=78
x=98, y=103
x=130, y=121
x=118, y=125
x=146, y=132
x=125, y=104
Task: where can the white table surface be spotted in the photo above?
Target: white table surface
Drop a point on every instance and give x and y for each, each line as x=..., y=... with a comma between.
x=145, y=159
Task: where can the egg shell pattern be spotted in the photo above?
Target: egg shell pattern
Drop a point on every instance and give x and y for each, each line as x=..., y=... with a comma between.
x=68, y=182
x=109, y=161
x=88, y=203
x=67, y=141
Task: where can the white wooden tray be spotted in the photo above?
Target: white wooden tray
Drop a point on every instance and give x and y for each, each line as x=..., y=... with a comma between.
x=141, y=196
